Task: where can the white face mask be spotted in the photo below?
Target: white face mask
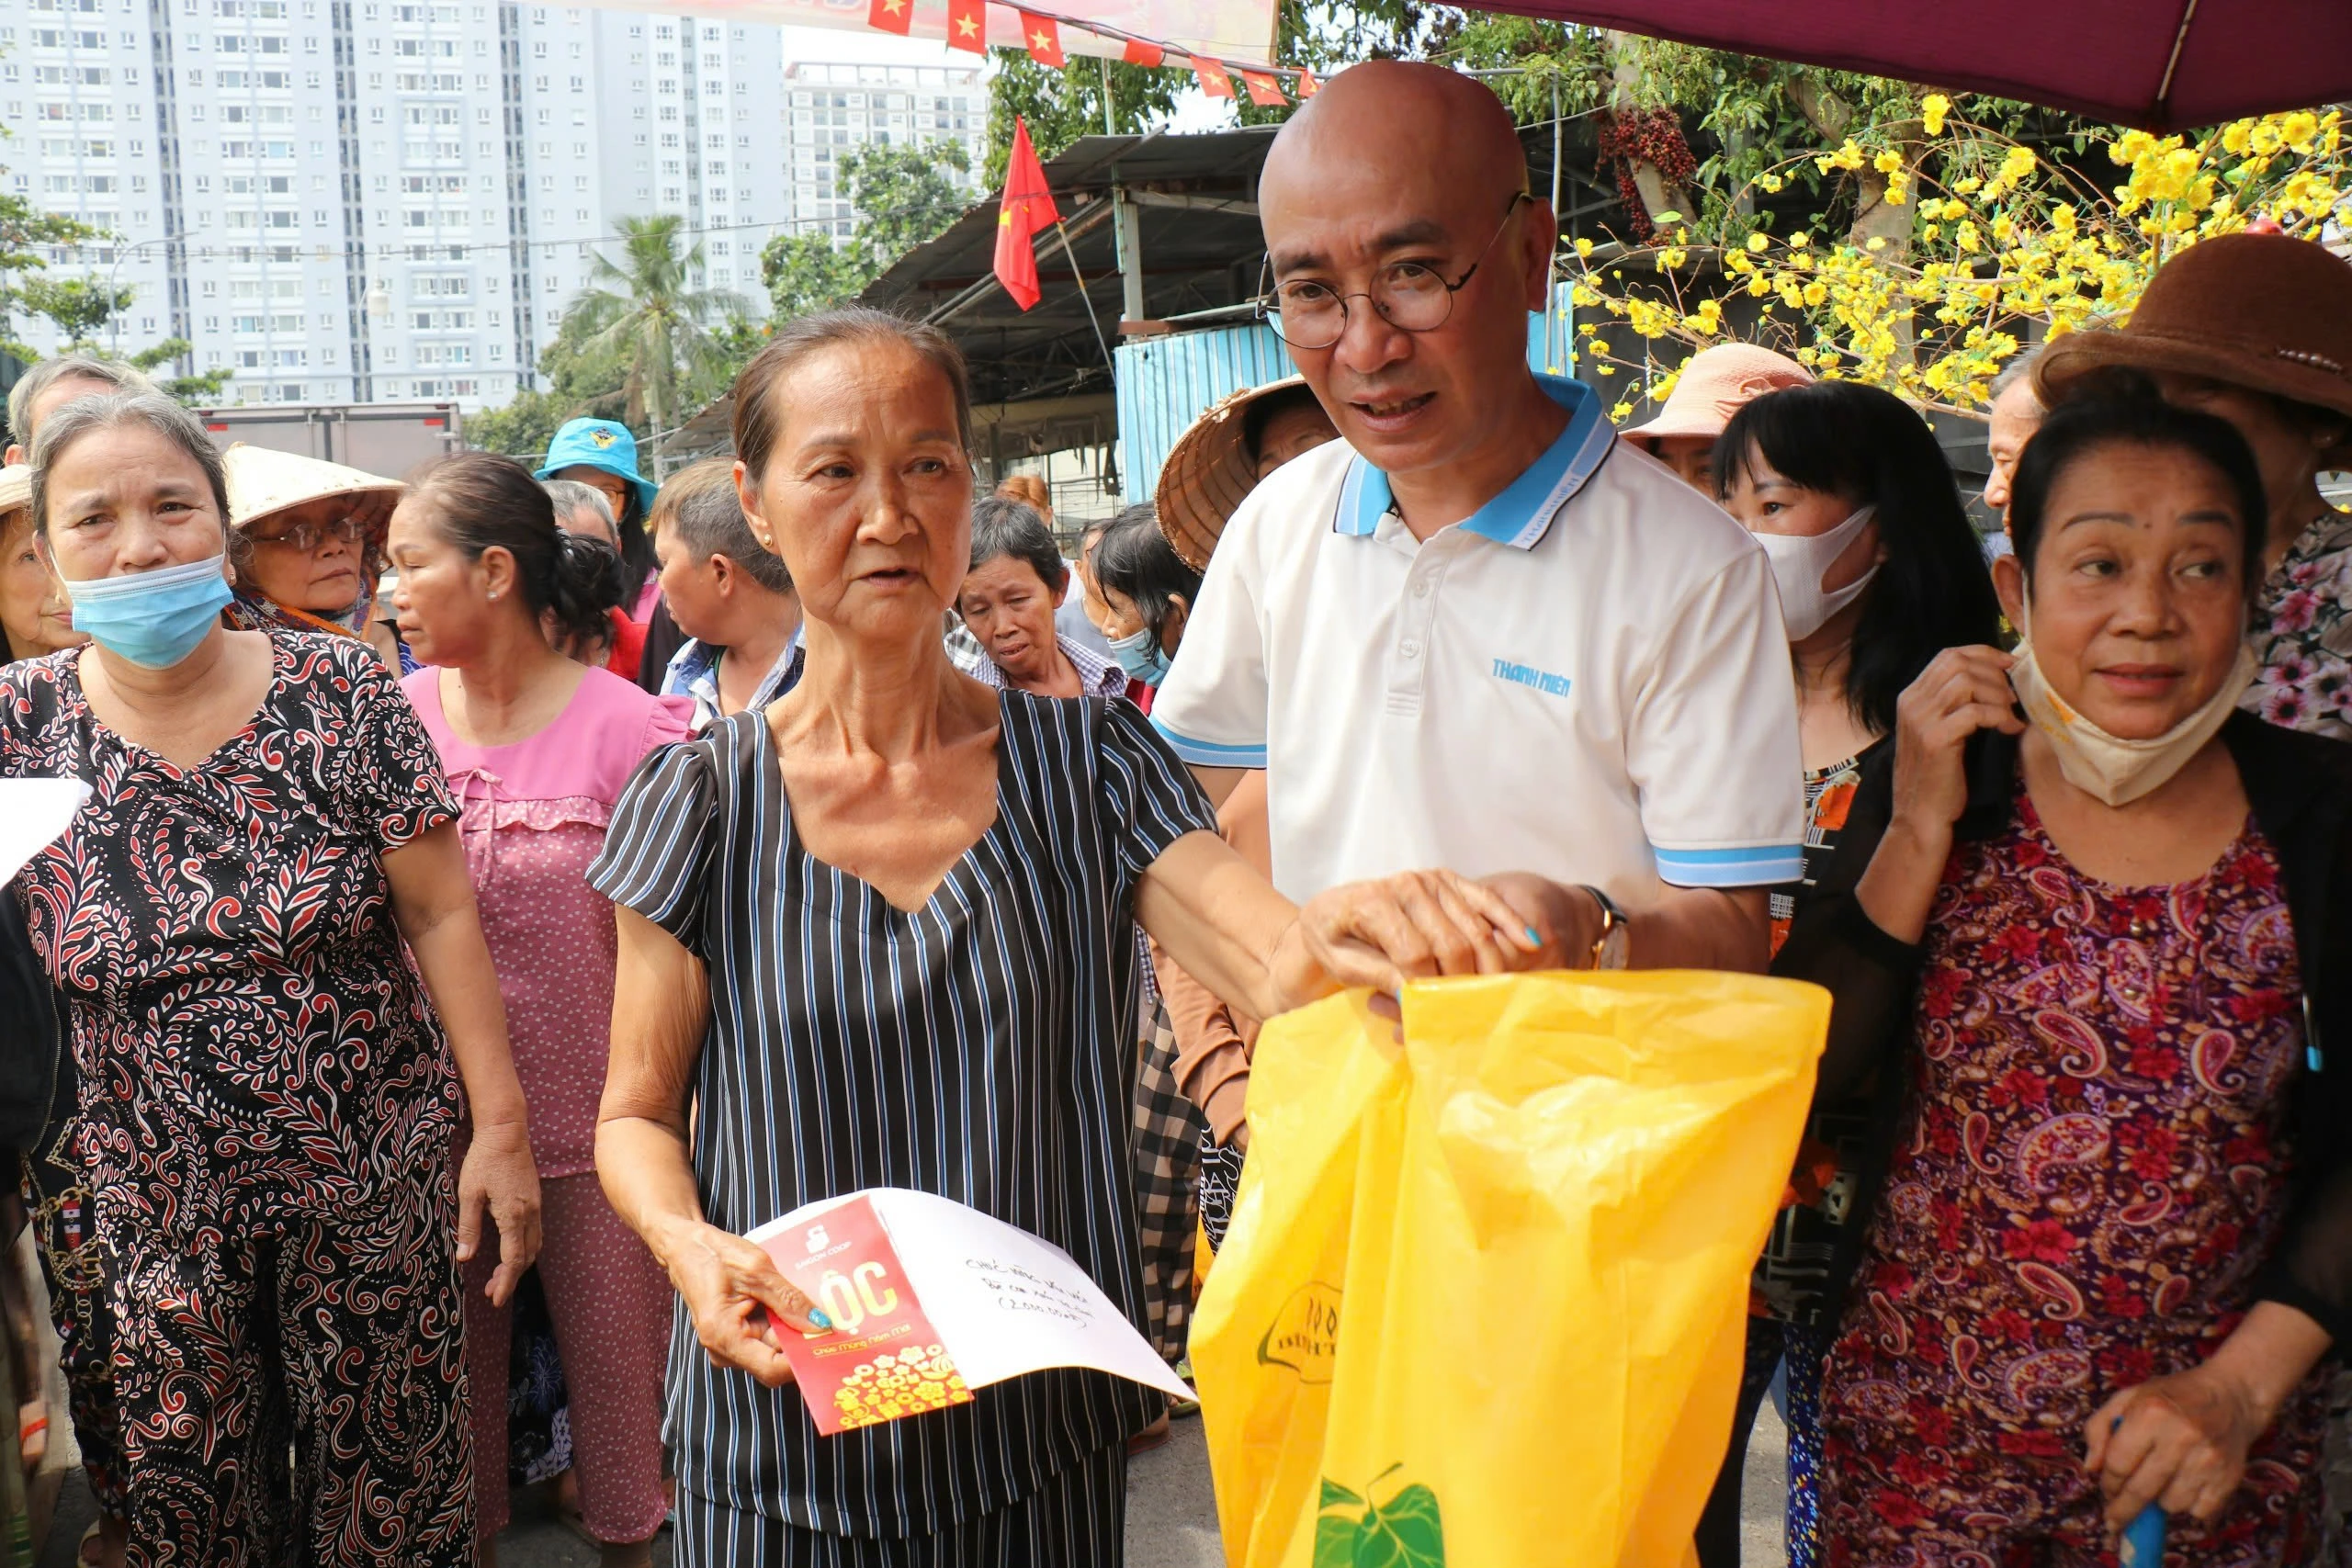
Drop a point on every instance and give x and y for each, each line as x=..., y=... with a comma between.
x=2112, y=770
x=1799, y=563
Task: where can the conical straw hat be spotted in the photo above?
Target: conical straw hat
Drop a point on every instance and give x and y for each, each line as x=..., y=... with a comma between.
x=1209, y=472
x=15, y=487
x=262, y=481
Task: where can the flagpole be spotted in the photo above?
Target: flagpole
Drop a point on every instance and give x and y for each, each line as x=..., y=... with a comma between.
x=1108, y=129
x=1061, y=232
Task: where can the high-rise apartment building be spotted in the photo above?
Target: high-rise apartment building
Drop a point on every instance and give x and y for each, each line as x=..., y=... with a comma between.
x=836, y=107
x=381, y=199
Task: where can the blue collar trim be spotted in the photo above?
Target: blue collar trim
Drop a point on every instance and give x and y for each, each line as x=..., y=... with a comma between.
x=1522, y=513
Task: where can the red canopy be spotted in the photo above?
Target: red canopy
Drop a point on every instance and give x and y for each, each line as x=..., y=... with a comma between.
x=2161, y=64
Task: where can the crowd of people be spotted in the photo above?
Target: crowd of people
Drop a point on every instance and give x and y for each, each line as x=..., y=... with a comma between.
x=501, y=890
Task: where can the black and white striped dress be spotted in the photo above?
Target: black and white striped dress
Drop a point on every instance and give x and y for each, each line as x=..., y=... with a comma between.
x=982, y=1048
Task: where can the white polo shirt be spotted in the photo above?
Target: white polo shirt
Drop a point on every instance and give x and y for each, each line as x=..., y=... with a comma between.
x=1587, y=678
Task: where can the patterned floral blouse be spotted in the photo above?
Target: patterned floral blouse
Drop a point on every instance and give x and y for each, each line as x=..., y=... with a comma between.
x=2094, y=1161
x=252, y=1041
x=2302, y=635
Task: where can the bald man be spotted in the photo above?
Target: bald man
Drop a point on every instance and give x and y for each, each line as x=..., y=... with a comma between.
x=1477, y=631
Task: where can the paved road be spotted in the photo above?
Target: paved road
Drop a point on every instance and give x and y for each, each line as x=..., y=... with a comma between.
x=1171, y=1513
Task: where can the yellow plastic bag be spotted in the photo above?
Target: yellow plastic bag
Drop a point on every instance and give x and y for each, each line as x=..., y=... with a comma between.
x=1482, y=1304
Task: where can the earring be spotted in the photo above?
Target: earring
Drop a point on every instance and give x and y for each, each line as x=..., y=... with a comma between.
x=493, y=593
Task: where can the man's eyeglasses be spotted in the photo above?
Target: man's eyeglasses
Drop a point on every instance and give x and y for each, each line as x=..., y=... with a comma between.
x=1410, y=296
x=307, y=535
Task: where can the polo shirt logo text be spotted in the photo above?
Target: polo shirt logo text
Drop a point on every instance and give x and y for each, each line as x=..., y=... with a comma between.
x=1543, y=681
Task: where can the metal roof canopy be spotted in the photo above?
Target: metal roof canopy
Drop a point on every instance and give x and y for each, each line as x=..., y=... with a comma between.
x=1188, y=205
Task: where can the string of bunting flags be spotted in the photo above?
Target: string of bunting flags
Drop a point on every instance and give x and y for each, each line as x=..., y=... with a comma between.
x=1040, y=33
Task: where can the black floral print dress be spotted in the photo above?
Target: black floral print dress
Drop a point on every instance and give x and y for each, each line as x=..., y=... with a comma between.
x=265, y=1106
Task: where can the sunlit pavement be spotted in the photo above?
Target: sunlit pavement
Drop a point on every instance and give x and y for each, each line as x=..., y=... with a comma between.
x=1171, y=1513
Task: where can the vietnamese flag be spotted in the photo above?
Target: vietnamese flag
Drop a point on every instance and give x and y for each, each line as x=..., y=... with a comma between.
x=891, y=15
x=1043, y=39
x=968, y=25
x=1307, y=86
x=1212, y=77
x=1025, y=208
x=1264, y=91
x=1148, y=55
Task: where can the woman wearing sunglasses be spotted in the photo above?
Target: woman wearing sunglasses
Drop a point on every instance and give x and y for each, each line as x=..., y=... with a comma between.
x=312, y=538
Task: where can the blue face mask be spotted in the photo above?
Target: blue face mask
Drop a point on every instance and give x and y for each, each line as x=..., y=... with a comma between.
x=152, y=618
x=1141, y=657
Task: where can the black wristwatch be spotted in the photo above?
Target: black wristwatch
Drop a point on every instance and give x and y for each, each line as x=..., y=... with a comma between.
x=1611, y=948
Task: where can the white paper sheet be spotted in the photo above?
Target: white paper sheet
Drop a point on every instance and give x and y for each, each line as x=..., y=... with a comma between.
x=33, y=814
x=1002, y=1302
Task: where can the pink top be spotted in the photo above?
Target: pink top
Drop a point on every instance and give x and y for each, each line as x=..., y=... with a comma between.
x=534, y=818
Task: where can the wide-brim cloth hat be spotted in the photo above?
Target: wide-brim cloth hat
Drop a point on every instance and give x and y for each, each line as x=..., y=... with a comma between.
x=1210, y=471
x=2265, y=312
x=16, y=487
x=263, y=482
x=603, y=444
x=1714, y=384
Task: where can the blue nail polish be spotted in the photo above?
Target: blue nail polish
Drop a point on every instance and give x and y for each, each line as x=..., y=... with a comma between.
x=1533, y=939
x=818, y=1317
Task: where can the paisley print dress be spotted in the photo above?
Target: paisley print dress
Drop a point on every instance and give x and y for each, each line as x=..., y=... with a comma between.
x=2091, y=1165
x=265, y=1105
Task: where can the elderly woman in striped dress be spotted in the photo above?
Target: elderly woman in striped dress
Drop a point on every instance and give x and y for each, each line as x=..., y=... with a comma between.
x=880, y=935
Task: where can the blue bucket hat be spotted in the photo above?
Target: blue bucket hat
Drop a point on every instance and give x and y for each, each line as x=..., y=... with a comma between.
x=600, y=443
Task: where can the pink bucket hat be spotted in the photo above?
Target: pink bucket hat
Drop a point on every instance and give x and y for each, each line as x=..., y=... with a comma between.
x=1716, y=384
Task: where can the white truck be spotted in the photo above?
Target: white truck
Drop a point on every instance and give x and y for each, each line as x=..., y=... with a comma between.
x=390, y=439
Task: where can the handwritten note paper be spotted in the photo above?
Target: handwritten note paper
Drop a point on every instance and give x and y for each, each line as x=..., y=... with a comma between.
x=955, y=1299
x=34, y=813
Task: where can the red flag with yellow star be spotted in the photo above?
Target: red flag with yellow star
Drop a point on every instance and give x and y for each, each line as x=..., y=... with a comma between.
x=1043, y=39
x=1210, y=75
x=1148, y=55
x=1307, y=86
x=890, y=16
x=1265, y=90
x=1026, y=207
x=968, y=25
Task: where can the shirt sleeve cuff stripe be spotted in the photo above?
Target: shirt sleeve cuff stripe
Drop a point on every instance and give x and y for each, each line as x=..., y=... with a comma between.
x=1762, y=865
x=1209, y=753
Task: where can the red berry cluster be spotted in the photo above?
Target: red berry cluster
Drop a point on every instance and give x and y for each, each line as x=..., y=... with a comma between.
x=1645, y=136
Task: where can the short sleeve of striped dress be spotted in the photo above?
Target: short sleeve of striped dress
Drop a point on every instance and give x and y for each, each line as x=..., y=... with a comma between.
x=659, y=846
x=1149, y=797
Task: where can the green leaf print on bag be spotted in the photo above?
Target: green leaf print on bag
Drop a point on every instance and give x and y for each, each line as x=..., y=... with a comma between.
x=1352, y=1531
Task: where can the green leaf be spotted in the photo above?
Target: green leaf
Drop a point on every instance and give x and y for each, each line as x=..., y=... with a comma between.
x=1335, y=1541
x=1404, y=1532
x=1334, y=1495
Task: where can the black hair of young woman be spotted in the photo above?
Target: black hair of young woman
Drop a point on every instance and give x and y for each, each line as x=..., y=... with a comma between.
x=1869, y=447
x=1003, y=527
x=2121, y=407
x=479, y=501
x=638, y=563
x=1136, y=559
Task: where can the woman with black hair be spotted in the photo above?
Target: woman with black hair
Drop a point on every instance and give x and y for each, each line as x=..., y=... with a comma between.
x=1150, y=590
x=2090, y=924
x=535, y=748
x=1878, y=571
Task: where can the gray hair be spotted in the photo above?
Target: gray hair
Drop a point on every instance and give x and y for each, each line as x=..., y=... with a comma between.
x=759, y=414
x=2019, y=368
x=111, y=373
x=709, y=522
x=149, y=410
x=572, y=495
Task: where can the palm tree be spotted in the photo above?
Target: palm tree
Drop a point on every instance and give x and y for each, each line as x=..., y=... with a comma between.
x=646, y=310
